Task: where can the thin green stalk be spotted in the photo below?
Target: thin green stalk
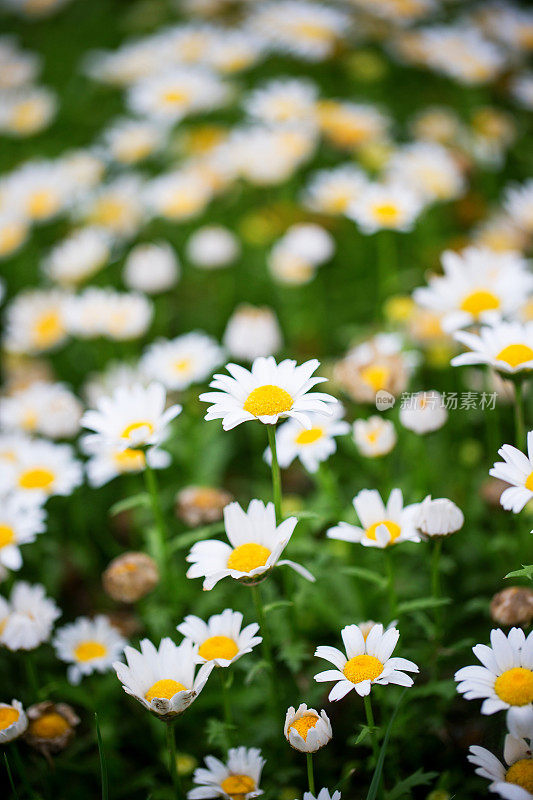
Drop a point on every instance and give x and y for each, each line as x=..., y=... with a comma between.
x=276, y=474
x=435, y=583
x=10, y=776
x=371, y=724
x=228, y=716
x=266, y=644
x=161, y=528
x=103, y=764
x=31, y=676
x=173, y=760
x=519, y=413
x=310, y=774
x=390, y=582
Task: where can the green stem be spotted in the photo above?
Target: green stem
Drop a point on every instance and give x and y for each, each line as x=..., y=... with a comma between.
x=228, y=716
x=161, y=554
x=103, y=763
x=371, y=724
x=266, y=644
x=390, y=582
x=31, y=676
x=435, y=582
x=519, y=413
x=10, y=776
x=276, y=474
x=310, y=773
x=173, y=760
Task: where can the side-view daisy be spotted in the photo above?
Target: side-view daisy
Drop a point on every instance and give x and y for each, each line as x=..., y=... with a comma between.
x=514, y=781
x=266, y=392
x=221, y=639
x=382, y=525
x=311, y=445
x=238, y=778
x=508, y=347
x=306, y=730
x=516, y=469
x=367, y=661
x=88, y=645
x=13, y=721
x=162, y=679
x=254, y=549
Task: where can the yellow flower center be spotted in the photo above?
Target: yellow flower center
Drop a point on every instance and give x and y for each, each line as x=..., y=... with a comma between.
x=477, y=302
x=49, y=726
x=182, y=365
x=10, y=238
x=515, y=686
x=268, y=400
x=363, y=668
x=41, y=204
x=175, y=97
x=392, y=527
x=89, y=650
x=376, y=376
x=182, y=204
x=48, y=329
x=247, y=557
x=521, y=773
x=134, y=427
x=37, y=478
x=313, y=31
x=386, y=213
x=108, y=211
x=218, y=647
x=129, y=460
x=8, y=715
x=165, y=688
x=7, y=535
x=29, y=420
x=26, y=117
x=304, y=724
x=310, y=436
x=529, y=482
x=515, y=354
x=237, y=786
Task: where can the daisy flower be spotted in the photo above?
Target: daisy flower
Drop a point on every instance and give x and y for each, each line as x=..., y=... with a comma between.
x=516, y=469
x=79, y=256
x=374, y=436
x=508, y=347
x=238, y=778
x=306, y=730
x=178, y=195
x=367, y=662
x=20, y=523
x=131, y=417
x=333, y=191
x=438, y=517
x=120, y=316
x=129, y=141
x=35, y=321
x=505, y=679
x=115, y=206
x=14, y=230
x=151, y=268
x=255, y=547
x=13, y=721
x=429, y=168
x=27, y=618
x=41, y=469
x=27, y=110
x=324, y=794
x=220, y=640
x=283, y=100
x=48, y=409
x=107, y=462
x=423, y=412
x=518, y=203
x=88, y=645
x=162, y=679
x=311, y=445
x=514, y=780
x=178, y=363
x=212, y=247
x=267, y=392
x=382, y=525
x=386, y=207
x=252, y=331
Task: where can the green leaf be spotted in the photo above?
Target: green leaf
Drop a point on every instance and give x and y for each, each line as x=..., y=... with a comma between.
x=256, y=669
x=184, y=540
x=307, y=515
x=217, y=733
x=376, y=779
x=525, y=572
x=277, y=604
x=365, y=732
x=418, y=778
x=366, y=575
x=103, y=765
x=423, y=603
x=135, y=501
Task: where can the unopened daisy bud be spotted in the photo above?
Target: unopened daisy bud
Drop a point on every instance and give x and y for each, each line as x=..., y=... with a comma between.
x=13, y=721
x=130, y=576
x=423, y=412
x=51, y=726
x=512, y=606
x=439, y=517
x=199, y=505
x=374, y=436
x=252, y=332
x=306, y=730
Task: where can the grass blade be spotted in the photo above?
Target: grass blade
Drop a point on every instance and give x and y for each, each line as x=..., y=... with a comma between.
x=103, y=765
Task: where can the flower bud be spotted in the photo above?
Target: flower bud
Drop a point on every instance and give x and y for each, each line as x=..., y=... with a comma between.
x=199, y=505
x=439, y=517
x=306, y=730
x=130, y=576
x=512, y=606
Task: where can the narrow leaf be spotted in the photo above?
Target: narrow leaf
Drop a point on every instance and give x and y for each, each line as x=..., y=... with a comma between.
x=376, y=780
x=103, y=765
x=135, y=501
x=366, y=575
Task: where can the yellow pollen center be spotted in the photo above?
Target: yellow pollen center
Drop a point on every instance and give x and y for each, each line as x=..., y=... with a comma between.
x=477, y=302
x=392, y=527
x=38, y=478
x=376, y=376
x=129, y=460
x=521, y=773
x=313, y=31
x=165, y=688
x=108, y=211
x=304, y=725
x=247, y=557
x=41, y=204
x=237, y=786
x=174, y=97
x=310, y=436
x=218, y=647
x=48, y=329
x=515, y=686
x=386, y=213
x=87, y=651
x=515, y=354
x=49, y=726
x=267, y=401
x=529, y=482
x=136, y=426
x=7, y=535
x=182, y=365
x=8, y=716
x=363, y=668
x=11, y=236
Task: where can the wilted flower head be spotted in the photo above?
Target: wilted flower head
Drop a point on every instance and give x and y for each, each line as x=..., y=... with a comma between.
x=513, y=606
x=198, y=505
x=51, y=726
x=306, y=729
x=130, y=576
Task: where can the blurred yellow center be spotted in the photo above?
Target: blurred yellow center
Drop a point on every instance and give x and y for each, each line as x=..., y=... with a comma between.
x=175, y=97
x=41, y=204
x=165, y=688
x=29, y=420
x=89, y=650
x=304, y=724
x=363, y=668
x=392, y=527
x=515, y=354
x=478, y=302
x=8, y=716
x=268, y=400
x=218, y=647
x=515, y=686
x=38, y=478
x=11, y=236
x=129, y=459
x=49, y=726
x=310, y=436
x=26, y=116
x=376, y=376
x=48, y=329
x=108, y=211
x=7, y=535
x=386, y=213
x=521, y=773
x=134, y=427
x=248, y=556
x=236, y=786
x=182, y=365
x=313, y=31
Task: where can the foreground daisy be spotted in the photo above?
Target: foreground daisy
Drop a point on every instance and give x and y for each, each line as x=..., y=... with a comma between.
x=383, y=525
x=238, y=778
x=307, y=730
x=88, y=645
x=220, y=640
x=514, y=781
x=516, y=469
x=13, y=721
x=367, y=661
x=311, y=445
x=255, y=547
x=27, y=618
x=162, y=679
x=505, y=679
x=267, y=393
x=508, y=347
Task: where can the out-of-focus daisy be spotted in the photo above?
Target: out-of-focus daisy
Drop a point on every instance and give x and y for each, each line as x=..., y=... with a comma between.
x=131, y=417
x=367, y=662
x=374, y=436
x=352, y=125
x=516, y=469
x=514, y=780
x=333, y=191
x=151, y=268
x=423, y=412
x=178, y=195
x=178, y=363
x=17, y=67
x=14, y=228
x=212, y=247
x=398, y=11
x=39, y=190
x=104, y=312
x=107, y=462
x=296, y=256
x=27, y=618
x=163, y=679
x=508, y=347
x=88, y=645
x=377, y=364
x=35, y=9
x=522, y=89
x=221, y=639
x=13, y=721
x=429, y=168
x=307, y=730
x=26, y=111
x=238, y=778
x=256, y=544
x=267, y=392
x=172, y=95
x=48, y=409
x=284, y=100
x=438, y=517
x=20, y=523
x=518, y=203
x=41, y=469
x=35, y=321
x=311, y=445
x=129, y=141
x=324, y=794
x=252, y=331
x=382, y=525
x=116, y=206
x=386, y=207
x=83, y=253
x=117, y=374
x=461, y=52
